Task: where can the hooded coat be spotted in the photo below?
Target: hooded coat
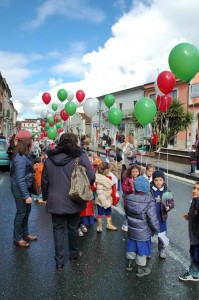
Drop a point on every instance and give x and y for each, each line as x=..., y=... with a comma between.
x=104, y=190
x=56, y=181
x=142, y=219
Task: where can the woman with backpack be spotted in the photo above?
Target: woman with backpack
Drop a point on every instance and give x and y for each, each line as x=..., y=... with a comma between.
x=56, y=183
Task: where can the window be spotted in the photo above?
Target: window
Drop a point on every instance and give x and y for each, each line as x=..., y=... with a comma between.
x=120, y=106
x=153, y=96
x=174, y=94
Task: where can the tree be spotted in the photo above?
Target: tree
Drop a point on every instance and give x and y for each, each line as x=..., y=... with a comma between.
x=169, y=123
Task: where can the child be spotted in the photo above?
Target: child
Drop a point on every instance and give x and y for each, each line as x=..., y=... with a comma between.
x=193, y=219
x=106, y=194
x=149, y=172
x=87, y=215
x=164, y=203
x=130, y=176
x=142, y=224
x=38, y=168
x=193, y=159
x=96, y=158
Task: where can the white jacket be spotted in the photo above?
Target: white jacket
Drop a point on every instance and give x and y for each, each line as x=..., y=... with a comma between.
x=103, y=190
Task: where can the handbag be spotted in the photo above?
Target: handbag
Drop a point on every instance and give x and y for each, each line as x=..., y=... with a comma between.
x=80, y=190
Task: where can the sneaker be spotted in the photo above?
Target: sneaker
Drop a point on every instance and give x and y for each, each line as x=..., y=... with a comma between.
x=83, y=228
x=142, y=271
x=162, y=254
x=188, y=277
x=125, y=228
x=80, y=233
x=129, y=266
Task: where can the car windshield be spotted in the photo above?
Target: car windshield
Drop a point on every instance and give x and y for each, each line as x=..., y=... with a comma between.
x=3, y=145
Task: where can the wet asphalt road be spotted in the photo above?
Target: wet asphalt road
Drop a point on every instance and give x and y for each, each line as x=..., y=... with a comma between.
x=101, y=272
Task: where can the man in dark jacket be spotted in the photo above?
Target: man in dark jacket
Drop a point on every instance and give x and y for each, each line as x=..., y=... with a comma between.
x=56, y=182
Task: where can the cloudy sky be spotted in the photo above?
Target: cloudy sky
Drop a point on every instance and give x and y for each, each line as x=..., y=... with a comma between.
x=96, y=46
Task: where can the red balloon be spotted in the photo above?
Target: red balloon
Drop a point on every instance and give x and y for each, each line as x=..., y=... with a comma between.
x=163, y=102
x=55, y=119
x=64, y=115
x=43, y=123
x=166, y=82
x=46, y=97
x=45, y=133
x=80, y=95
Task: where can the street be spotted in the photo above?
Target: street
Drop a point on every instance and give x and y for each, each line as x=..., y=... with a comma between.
x=101, y=272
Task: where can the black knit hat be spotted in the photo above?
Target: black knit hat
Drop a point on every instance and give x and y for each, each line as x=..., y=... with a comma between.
x=118, y=157
x=158, y=173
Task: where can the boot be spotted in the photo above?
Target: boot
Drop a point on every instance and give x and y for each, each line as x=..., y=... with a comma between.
x=109, y=224
x=129, y=266
x=149, y=263
x=142, y=271
x=99, y=224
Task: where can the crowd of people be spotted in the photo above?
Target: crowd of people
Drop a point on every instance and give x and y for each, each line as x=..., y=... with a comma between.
x=145, y=197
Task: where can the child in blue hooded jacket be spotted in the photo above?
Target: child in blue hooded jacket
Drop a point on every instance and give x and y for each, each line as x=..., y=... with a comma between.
x=142, y=224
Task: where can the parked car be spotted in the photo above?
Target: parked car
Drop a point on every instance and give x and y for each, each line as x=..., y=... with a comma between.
x=4, y=159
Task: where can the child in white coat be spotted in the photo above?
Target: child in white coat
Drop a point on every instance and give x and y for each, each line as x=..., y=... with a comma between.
x=106, y=193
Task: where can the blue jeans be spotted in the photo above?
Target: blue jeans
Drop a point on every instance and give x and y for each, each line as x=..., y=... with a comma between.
x=21, y=216
x=194, y=268
x=193, y=167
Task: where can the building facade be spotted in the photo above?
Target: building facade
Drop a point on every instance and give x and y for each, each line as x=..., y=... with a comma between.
x=8, y=114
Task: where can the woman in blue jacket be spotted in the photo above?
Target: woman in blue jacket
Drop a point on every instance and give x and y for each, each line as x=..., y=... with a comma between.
x=21, y=173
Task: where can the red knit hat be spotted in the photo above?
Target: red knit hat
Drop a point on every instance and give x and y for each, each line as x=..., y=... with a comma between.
x=23, y=135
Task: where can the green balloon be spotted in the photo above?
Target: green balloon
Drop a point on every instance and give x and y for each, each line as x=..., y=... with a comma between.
x=184, y=61
x=58, y=125
x=115, y=116
x=59, y=118
x=109, y=100
x=62, y=95
x=70, y=108
x=47, y=126
x=34, y=134
x=51, y=120
x=52, y=133
x=54, y=106
x=145, y=110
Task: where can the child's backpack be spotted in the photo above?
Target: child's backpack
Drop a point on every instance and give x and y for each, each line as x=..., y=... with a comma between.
x=80, y=190
x=35, y=188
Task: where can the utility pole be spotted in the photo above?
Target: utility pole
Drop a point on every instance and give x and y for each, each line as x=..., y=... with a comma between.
x=99, y=132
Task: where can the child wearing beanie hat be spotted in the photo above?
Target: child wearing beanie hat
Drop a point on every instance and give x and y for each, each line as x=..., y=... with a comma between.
x=142, y=224
x=164, y=203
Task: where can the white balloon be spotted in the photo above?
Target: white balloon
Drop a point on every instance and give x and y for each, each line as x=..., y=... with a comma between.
x=91, y=107
x=77, y=103
x=158, y=91
x=38, y=122
x=70, y=95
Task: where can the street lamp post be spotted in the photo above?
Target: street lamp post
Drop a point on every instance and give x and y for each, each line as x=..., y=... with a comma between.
x=100, y=115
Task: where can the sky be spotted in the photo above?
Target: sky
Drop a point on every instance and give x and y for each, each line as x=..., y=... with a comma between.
x=99, y=47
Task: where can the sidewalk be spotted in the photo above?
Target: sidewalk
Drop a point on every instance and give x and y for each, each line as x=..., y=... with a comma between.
x=169, y=167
